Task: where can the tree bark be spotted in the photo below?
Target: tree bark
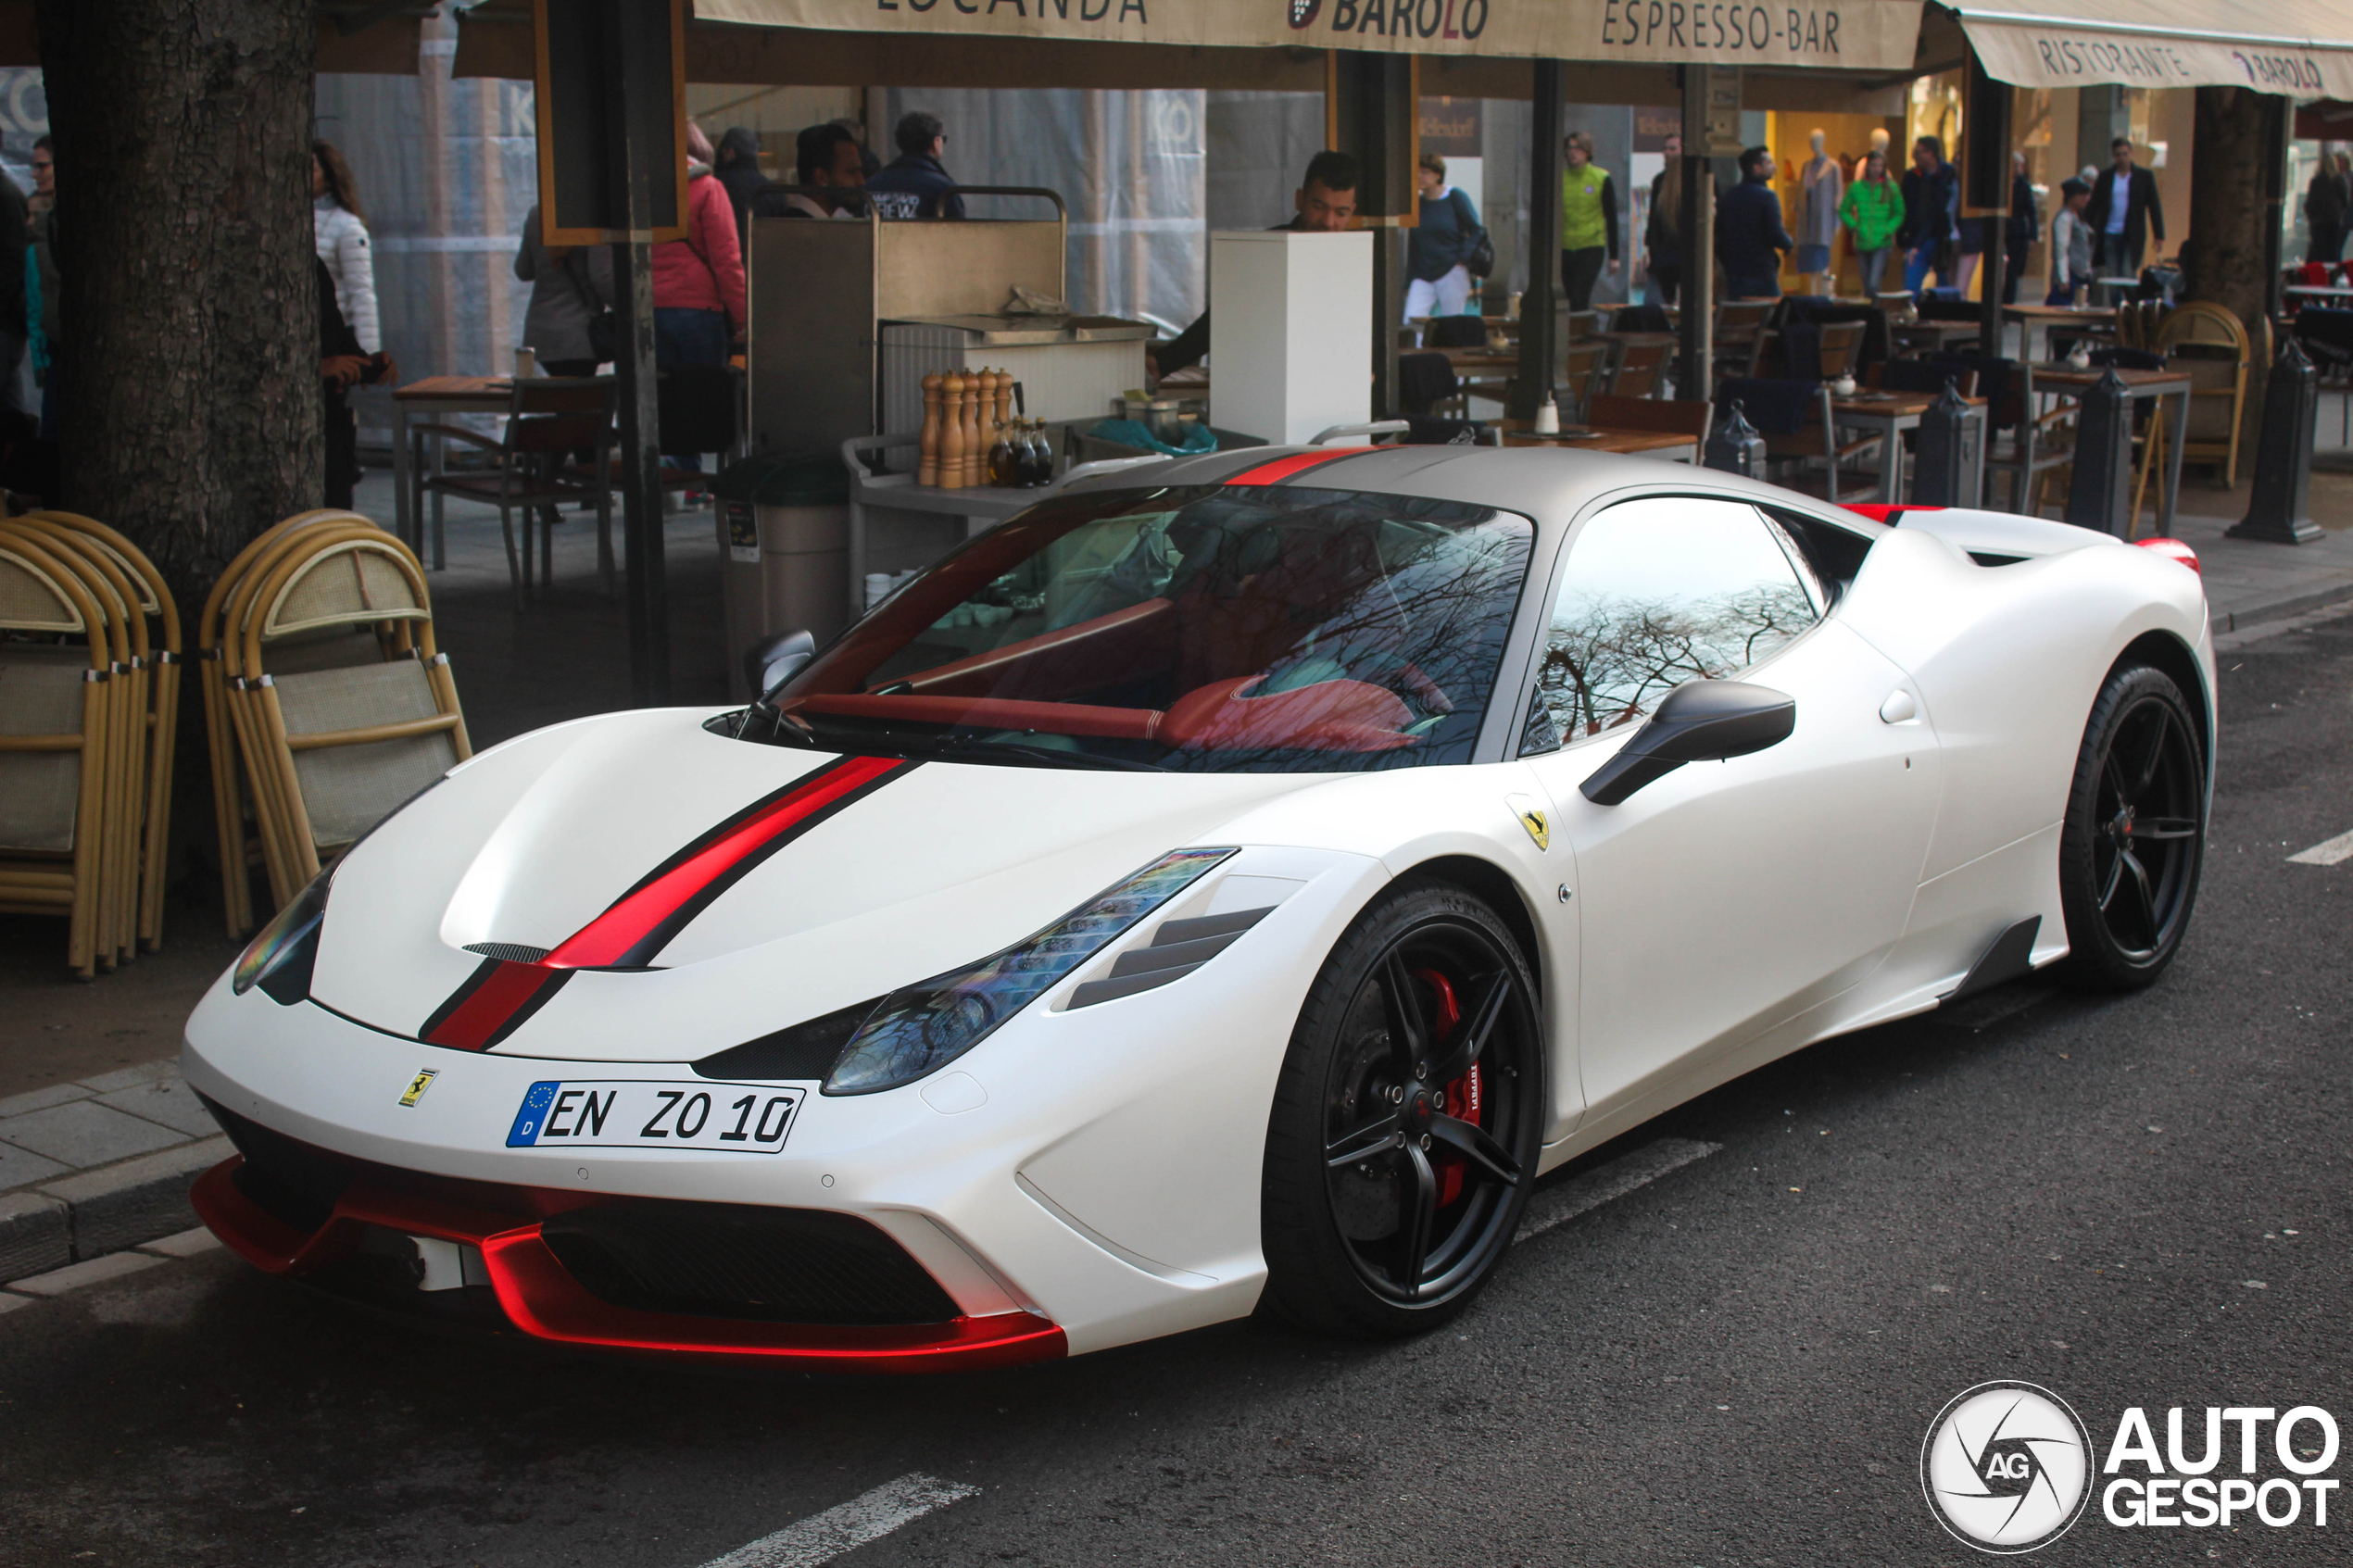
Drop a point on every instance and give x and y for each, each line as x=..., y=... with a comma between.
x=2223, y=252
x=189, y=404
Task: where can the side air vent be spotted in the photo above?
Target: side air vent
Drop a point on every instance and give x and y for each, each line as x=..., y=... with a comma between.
x=1177, y=948
x=510, y=951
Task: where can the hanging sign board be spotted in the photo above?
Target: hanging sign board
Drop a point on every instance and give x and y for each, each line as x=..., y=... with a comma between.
x=579, y=93
x=1845, y=34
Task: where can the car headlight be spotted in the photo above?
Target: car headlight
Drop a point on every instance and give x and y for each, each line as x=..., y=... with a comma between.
x=923, y=1027
x=279, y=958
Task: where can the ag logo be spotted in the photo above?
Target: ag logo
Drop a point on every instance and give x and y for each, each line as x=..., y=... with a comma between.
x=2006, y=1467
x=1302, y=12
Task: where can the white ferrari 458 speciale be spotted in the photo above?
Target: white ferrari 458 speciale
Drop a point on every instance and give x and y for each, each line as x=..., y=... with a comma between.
x=1225, y=887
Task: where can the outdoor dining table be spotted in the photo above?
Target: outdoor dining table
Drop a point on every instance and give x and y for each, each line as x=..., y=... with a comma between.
x=2038, y=320
x=1890, y=414
x=1931, y=334
x=436, y=396
x=1663, y=444
x=2066, y=380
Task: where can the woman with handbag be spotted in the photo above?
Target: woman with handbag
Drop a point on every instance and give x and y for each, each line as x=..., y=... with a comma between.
x=1441, y=253
x=571, y=302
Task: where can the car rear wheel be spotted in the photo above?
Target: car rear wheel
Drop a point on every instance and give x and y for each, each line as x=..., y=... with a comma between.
x=1407, y=1119
x=2136, y=832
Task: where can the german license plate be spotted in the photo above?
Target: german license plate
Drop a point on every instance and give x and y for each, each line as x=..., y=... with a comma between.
x=631, y=1113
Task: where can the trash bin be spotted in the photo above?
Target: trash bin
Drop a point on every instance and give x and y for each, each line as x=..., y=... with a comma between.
x=784, y=537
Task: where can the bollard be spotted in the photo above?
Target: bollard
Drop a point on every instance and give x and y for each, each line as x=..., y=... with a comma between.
x=2103, y=486
x=1736, y=448
x=2280, y=512
x=1946, y=457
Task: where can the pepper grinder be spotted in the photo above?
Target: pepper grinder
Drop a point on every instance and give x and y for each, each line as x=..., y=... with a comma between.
x=952, y=410
x=928, y=466
x=973, y=453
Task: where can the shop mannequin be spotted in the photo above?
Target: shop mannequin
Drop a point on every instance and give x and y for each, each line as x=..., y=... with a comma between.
x=1819, y=186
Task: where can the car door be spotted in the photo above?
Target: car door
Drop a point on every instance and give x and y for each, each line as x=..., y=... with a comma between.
x=1729, y=896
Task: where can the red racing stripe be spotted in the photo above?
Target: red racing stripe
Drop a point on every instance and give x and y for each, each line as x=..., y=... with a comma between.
x=499, y=995
x=1281, y=468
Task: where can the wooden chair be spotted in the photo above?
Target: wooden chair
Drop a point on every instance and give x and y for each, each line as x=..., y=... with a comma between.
x=1584, y=370
x=1841, y=348
x=548, y=418
x=1640, y=370
x=241, y=851
x=57, y=723
x=2208, y=341
x=331, y=751
x=2029, y=443
x=1739, y=328
x=1674, y=416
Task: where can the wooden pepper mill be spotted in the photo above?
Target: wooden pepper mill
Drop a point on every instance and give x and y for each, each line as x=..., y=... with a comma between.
x=953, y=407
x=974, y=454
x=984, y=384
x=1004, y=399
x=928, y=466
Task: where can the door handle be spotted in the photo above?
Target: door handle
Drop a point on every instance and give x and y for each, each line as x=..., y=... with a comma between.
x=1898, y=708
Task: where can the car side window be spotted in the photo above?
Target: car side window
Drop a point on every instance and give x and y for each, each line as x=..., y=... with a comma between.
x=1660, y=591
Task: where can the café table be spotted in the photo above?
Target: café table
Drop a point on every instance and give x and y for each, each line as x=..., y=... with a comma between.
x=2038, y=320
x=1666, y=444
x=2065, y=380
x=434, y=397
x=1889, y=414
x=1917, y=334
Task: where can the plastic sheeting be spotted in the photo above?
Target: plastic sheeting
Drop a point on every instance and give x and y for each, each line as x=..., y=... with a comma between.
x=447, y=170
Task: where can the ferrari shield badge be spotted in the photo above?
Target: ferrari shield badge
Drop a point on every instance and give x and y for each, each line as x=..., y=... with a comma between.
x=419, y=1085
x=1531, y=817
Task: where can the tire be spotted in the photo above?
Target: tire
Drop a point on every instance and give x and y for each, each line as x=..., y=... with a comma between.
x=2135, y=838
x=1384, y=1214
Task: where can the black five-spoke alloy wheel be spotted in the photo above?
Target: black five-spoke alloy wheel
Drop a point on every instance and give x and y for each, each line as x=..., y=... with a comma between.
x=1407, y=1120
x=2136, y=831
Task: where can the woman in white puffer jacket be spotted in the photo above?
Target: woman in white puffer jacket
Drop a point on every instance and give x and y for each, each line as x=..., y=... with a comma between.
x=340, y=230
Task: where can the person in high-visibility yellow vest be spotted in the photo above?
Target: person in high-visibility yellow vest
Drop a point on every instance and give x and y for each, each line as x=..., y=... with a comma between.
x=1589, y=221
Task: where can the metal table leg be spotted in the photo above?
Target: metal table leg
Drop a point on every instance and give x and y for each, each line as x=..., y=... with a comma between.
x=403, y=513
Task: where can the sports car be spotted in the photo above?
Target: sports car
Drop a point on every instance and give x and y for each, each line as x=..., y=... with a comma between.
x=1224, y=887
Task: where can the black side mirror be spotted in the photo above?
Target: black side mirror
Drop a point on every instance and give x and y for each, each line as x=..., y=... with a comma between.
x=771, y=661
x=1700, y=721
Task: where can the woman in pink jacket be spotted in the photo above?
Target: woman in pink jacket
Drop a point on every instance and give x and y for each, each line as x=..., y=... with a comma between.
x=699, y=282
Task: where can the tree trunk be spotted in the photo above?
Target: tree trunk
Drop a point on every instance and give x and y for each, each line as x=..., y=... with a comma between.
x=2223, y=252
x=189, y=404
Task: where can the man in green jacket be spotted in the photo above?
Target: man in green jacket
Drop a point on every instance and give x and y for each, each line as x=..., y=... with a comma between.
x=1872, y=211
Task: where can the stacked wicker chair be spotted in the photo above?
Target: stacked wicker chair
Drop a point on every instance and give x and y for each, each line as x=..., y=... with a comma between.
x=324, y=680
x=89, y=698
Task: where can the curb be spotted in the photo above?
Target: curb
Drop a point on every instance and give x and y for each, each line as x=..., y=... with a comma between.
x=2223, y=622
x=94, y=1213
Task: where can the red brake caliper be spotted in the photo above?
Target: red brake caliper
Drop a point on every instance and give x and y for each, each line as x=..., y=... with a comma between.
x=1464, y=1100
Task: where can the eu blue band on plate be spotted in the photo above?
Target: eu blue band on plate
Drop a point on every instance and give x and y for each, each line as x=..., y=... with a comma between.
x=532, y=1117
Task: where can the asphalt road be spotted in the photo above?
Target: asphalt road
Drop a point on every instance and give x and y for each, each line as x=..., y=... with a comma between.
x=1734, y=1364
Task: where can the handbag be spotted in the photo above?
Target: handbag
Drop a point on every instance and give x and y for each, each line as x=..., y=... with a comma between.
x=604, y=322
x=1481, y=262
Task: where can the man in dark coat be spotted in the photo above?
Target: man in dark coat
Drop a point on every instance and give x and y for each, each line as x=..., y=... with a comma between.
x=2125, y=212
x=1750, y=235
x=1326, y=205
x=916, y=184
x=2022, y=229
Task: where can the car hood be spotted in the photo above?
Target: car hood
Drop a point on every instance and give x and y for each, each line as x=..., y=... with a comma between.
x=886, y=874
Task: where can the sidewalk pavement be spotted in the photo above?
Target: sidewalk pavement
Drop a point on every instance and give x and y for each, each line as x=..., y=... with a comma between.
x=2248, y=583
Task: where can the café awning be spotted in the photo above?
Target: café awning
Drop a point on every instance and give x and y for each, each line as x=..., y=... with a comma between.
x=2301, y=48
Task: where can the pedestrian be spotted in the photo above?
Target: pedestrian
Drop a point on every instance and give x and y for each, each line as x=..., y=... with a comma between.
x=1750, y=235
x=2124, y=213
x=869, y=165
x=738, y=168
x=1931, y=216
x=2070, y=244
x=1323, y=204
x=1438, y=254
x=699, y=281
x=1589, y=221
x=2020, y=231
x=1872, y=211
x=339, y=230
x=1663, y=230
x=343, y=364
x=916, y=184
x=825, y=159
x=45, y=324
x=570, y=289
x=15, y=224
x=2326, y=201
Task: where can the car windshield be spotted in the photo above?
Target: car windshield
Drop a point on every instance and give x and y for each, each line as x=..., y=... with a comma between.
x=1201, y=629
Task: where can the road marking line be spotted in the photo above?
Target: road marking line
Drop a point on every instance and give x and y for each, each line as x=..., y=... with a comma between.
x=1605, y=1184
x=2328, y=852
x=821, y=1537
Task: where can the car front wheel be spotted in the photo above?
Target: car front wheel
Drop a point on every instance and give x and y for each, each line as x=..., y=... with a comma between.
x=2134, y=835
x=1407, y=1120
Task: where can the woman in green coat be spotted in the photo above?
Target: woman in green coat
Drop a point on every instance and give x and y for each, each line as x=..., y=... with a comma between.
x=1872, y=211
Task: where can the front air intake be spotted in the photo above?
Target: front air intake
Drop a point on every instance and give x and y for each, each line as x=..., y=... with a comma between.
x=738, y=1261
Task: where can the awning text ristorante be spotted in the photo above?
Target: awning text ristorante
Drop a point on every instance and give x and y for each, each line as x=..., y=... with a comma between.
x=1846, y=34
x=2185, y=43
